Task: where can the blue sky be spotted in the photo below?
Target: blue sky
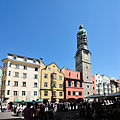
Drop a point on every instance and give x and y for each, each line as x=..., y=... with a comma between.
x=48, y=29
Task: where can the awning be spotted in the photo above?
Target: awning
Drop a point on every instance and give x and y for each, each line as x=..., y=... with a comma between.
x=38, y=101
x=17, y=101
x=117, y=94
x=94, y=96
x=28, y=101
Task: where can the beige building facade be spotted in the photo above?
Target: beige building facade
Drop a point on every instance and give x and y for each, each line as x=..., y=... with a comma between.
x=20, y=78
x=51, y=82
x=114, y=85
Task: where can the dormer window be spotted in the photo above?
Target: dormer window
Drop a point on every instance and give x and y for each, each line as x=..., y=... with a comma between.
x=48, y=68
x=69, y=74
x=14, y=57
x=34, y=61
x=25, y=59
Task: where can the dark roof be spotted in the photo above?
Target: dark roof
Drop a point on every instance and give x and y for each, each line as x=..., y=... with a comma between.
x=114, y=94
x=23, y=57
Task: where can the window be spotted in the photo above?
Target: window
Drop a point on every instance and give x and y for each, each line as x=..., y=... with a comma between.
x=75, y=84
x=3, y=65
x=8, y=92
x=60, y=85
x=87, y=77
x=57, y=70
x=69, y=93
x=35, y=93
x=8, y=83
x=9, y=74
x=73, y=93
x=53, y=93
x=24, y=84
x=16, y=74
x=9, y=64
x=25, y=67
x=45, y=93
x=53, y=84
x=15, y=93
x=17, y=66
x=35, y=76
x=53, y=76
x=23, y=93
x=87, y=86
x=60, y=93
x=77, y=75
x=48, y=68
x=15, y=83
x=25, y=59
x=14, y=57
x=34, y=61
x=60, y=77
x=3, y=83
x=5, y=73
x=2, y=92
x=93, y=82
x=69, y=74
x=6, y=64
x=45, y=84
x=80, y=84
x=35, y=84
x=69, y=83
x=24, y=75
x=80, y=93
x=93, y=88
x=36, y=69
x=76, y=93
x=45, y=75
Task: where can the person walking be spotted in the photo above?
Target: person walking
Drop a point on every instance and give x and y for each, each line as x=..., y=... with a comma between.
x=27, y=112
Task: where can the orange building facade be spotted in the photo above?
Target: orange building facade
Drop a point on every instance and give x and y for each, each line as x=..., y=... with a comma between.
x=73, y=85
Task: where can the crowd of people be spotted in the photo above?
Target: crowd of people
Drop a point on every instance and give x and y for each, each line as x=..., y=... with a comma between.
x=84, y=110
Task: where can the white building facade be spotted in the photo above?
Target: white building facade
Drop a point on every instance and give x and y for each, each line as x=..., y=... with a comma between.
x=103, y=86
x=20, y=78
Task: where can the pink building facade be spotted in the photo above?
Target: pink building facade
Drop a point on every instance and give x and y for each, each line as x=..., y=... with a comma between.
x=73, y=85
x=94, y=84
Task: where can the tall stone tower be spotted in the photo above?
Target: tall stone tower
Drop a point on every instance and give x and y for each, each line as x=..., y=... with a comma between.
x=83, y=62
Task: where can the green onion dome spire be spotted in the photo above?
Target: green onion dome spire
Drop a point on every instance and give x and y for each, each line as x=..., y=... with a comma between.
x=81, y=31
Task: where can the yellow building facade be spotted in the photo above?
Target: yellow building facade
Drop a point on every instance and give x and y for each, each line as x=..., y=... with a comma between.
x=51, y=82
x=114, y=85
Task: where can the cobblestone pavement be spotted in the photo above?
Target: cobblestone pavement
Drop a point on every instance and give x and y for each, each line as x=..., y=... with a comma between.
x=64, y=115
x=9, y=116
x=67, y=115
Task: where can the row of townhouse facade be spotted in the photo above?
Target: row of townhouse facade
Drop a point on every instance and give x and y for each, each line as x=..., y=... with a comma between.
x=105, y=85
x=25, y=78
